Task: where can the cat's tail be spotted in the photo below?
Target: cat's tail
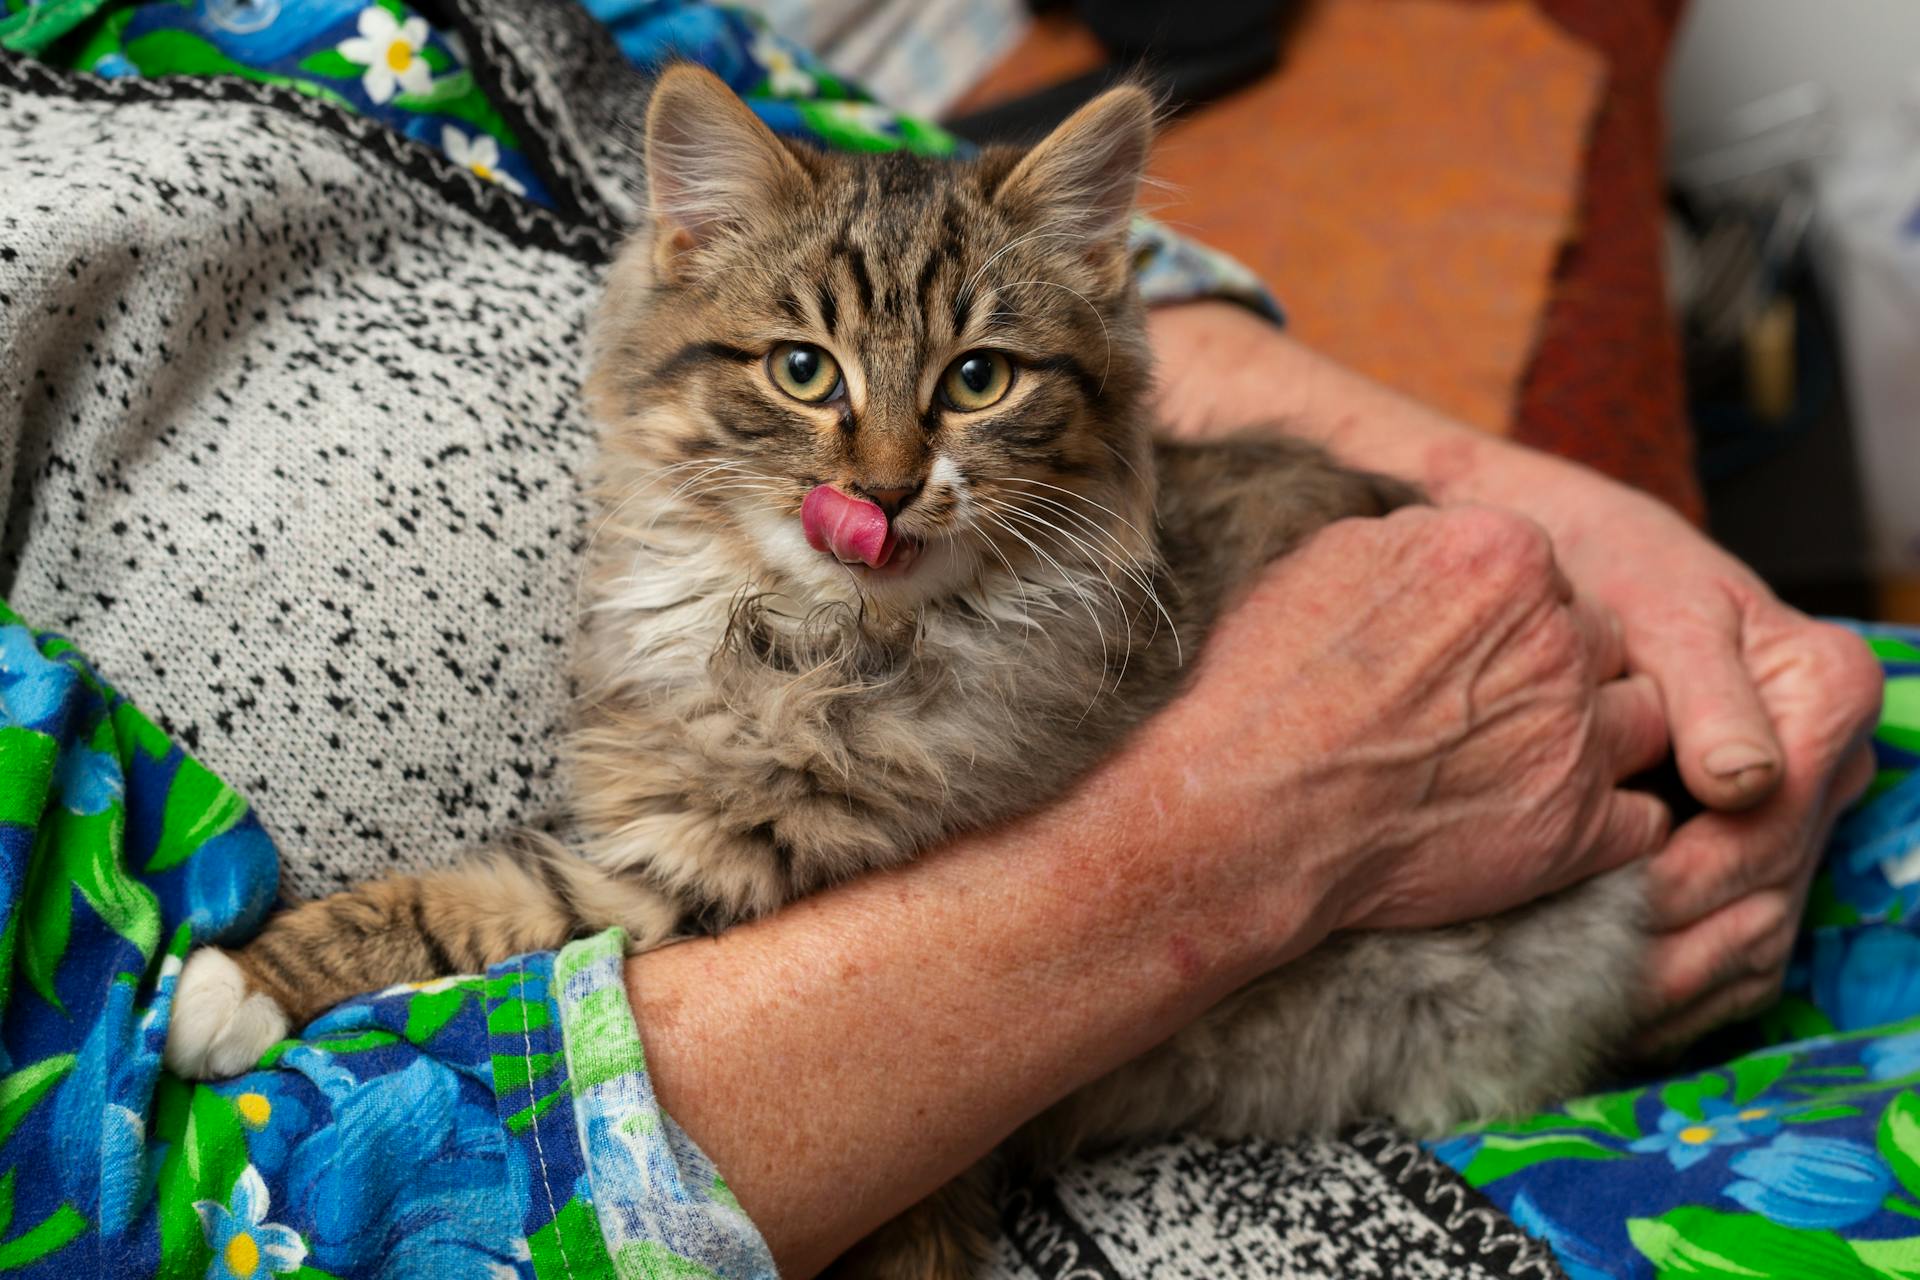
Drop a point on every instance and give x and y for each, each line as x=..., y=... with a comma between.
x=530, y=895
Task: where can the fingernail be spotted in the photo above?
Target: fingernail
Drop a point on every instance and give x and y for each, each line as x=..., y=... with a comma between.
x=1741, y=763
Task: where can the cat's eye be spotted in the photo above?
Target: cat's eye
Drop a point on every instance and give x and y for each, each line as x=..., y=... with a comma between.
x=977, y=380
x=803, y=371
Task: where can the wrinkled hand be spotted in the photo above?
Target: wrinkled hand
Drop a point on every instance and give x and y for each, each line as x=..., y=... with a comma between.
x=1419, y=712
x=1770, y=714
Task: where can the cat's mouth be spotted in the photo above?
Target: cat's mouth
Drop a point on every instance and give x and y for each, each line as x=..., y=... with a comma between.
x=856, y=532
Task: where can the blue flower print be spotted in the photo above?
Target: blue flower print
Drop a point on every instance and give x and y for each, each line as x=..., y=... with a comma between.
x=404, y=1182
x=88, y=781
x=272, y=1114
x=32, y=686
x=1686, y=1140
x=245, y=1245
x=1866, y=978
x=1813, y=1184
x=1760, y=1118
x=1893, y=1057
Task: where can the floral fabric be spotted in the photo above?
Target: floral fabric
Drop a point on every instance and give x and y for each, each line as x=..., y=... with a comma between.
x=496, y=1125
x=1800, y=1159
x=381, y=58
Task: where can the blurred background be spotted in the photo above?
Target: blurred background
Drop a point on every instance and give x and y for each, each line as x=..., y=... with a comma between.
x=1677, y=241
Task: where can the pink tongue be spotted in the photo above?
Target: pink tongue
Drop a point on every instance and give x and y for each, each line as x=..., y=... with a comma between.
x=848, y=527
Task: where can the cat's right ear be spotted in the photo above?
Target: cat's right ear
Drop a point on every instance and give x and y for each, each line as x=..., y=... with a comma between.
x=711, y=165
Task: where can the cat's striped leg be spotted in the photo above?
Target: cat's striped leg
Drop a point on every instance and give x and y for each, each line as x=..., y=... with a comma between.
x=231, y=1006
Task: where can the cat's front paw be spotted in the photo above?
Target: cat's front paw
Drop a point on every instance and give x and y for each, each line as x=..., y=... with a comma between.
x=220, y=1024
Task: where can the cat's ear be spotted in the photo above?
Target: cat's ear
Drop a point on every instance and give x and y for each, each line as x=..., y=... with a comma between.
x=711, y=164
x=1083, y=179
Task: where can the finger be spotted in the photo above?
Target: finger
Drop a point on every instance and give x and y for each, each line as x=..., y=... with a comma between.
x=1633, y=826
x=1630, y=725
x=1718, y=858
x=1723, y=1005
x=1855, y=776
x=1605, y=643
x=1744, y=938
x=1723, y=737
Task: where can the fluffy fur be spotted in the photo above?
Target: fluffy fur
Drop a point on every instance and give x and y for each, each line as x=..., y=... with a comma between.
x=759, y=720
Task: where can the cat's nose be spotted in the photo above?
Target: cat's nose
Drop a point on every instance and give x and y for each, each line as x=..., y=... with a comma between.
x=893, y=501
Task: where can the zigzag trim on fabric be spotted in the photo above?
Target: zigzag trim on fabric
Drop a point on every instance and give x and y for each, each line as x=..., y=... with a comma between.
x=1050, y=1241
x=490, y=203
x=1489, y=1236
x=517, y=95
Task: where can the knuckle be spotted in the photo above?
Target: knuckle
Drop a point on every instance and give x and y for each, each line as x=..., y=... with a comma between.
x=1855, y=673
x=1497, y=539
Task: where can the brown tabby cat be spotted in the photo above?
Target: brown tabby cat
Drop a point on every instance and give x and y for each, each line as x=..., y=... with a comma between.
x=888, y=552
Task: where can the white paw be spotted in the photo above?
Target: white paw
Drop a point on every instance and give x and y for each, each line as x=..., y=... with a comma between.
x=219, y=1027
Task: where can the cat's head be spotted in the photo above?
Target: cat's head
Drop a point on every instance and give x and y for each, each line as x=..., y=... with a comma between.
x=881, y=376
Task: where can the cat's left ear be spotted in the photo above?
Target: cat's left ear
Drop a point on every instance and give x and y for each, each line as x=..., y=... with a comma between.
x=1083, y=179
x=712, y=166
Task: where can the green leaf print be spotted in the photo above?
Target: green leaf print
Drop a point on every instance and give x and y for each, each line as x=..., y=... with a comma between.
x=53, y=1233
x=517, y=1015
x=1897, y=1259
x=1814, y=1115
x=1609, y=1112
x=571, y=1245
x=199, y=807
x=429, y=1011
x=332, y=64
x=1755, y=1074
x=529, y=1115
x=1899, y=1139
x=1684, y=1095
x=1889, y=649
x=1499, y=1156
x=459, y=96
x=354, y=1041
x=1692, y=1241
x=133, y=731
x=178, y=53
x=1900, y=713
x=521, y=1073
x=90, y=846
x=46, y=917
x=203, y=1165
x=654, y=1261
x=27, y=760
x=21, y=1090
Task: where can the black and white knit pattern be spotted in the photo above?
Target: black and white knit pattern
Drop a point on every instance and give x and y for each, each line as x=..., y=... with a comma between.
x=290, y=445
x=1375, y=1205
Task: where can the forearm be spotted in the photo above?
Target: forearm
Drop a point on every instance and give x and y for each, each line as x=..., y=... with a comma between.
x=1223, y=369
x=845, y=1057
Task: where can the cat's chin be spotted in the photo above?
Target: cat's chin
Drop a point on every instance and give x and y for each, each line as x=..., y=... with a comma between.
x=903, y=555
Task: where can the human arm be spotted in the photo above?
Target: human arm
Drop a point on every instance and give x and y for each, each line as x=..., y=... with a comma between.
x=1327, y=769
x=1769, y=710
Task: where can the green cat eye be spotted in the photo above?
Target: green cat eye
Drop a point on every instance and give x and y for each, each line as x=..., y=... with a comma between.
x=977, y=380
x=803, y=371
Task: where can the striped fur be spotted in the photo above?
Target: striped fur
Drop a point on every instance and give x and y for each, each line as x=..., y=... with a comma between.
x=758, y=721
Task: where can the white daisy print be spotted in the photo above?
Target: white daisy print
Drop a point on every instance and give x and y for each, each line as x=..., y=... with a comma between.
x=784, y=76
x=390, y=51
x=431, y=987
x=481, y=154
x=869, y=116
